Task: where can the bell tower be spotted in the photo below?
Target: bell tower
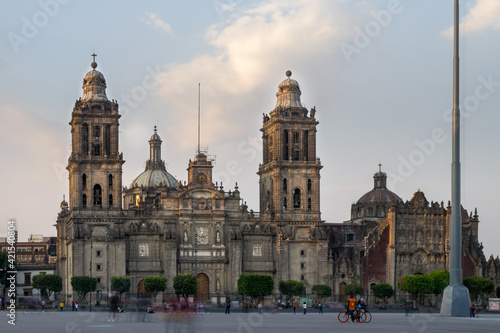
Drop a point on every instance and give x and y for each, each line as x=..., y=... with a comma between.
x=95, y=165
x=289, y=174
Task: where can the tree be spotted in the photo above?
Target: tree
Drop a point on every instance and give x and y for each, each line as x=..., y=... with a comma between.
x=479, y=286
x=354, y=289
x=120, y=284
x=383, y=291
x=291, y=288
x=440, y=280
x=155, y=284
x=255, y=285
x=417, y=286
x=321, y=291
x=185, y=285
x=47, y=284
x=83, y=285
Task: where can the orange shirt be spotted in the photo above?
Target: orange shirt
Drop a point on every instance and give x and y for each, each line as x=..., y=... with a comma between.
x=352, y=303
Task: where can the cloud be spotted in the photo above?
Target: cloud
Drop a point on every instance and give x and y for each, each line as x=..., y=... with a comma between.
x=153, y=19
x=251, y=52
x=484, y=15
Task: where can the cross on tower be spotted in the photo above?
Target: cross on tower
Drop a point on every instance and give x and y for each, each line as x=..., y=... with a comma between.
x=380, y=167
x=94, y=55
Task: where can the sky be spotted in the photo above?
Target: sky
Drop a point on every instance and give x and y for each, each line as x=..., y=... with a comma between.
x=379, y=73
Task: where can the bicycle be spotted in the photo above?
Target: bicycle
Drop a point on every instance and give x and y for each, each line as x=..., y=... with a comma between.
x=368, y=315
x=359, y=316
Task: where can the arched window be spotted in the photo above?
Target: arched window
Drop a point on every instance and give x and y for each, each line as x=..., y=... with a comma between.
x=285, y=185
x=284, y=203
x=84, y=181
x=296, y=198
x=110, y=200
x=309, y=186
x=309, y=204
x=97, y=195
x=84, y=200
x=110, y=180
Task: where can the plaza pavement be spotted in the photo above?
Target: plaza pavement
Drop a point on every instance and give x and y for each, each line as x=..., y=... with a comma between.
x=76, y=322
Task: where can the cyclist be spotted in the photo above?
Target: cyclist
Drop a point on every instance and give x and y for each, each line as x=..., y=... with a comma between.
x=361, y=306
x=351, y=306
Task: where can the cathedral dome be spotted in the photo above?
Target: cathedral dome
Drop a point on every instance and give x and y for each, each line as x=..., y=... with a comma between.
x=154, y=178
x=94, y=86
x=380, y=194
x=288, y=93
x=155, y=174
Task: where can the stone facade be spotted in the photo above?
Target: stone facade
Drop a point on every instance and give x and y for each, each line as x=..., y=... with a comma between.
x=410, y=238
x=168, y=228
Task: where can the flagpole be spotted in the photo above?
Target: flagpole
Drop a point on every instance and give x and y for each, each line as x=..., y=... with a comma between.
x=455, y=301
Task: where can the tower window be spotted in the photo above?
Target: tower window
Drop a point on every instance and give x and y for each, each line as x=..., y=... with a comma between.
x=305, y=145
x=84, y=200
x=85, y=139
x=350, y=237
x=97, y=195
x=107, y=140
x=110, y=180
x=309, y=204
x=296, y=154
x=284, y=203
x=110, y=200
x=285, y=147
x=296, y=198
x=84, y=181
x=309, y=186
x=296, y=137
x=285, y=185
x=96, y=142
x=302, y=265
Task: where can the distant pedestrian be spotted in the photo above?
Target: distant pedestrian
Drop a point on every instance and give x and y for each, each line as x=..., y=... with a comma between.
x=305, y=307
x=260, y=307
x=407, y=309
x=320, y=306
x=61, y=305
x=228, y=305
x=76, y=306
x=43, y=305
x=295, y=306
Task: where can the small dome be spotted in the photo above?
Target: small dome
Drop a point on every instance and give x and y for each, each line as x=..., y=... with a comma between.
x=155, y=136
x=288, y=93
x=94, y=85
x=154, y=178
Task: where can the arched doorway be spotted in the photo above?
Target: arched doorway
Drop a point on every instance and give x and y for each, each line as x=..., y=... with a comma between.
x=342, y=295
x=203, y=287
x=141, y=290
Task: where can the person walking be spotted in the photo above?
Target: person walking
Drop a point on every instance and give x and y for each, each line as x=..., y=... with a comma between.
x=295, y=306
x=113, y=307
x=228, y=306
x=305, y=307
x=260, y=307
x=320, y=307
x=61, y=305
x=43, y=305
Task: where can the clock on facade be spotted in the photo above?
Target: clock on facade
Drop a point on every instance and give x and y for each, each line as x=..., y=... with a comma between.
x=202, y=178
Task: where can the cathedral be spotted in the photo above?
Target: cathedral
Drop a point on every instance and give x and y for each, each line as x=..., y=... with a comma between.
x=161, y=226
